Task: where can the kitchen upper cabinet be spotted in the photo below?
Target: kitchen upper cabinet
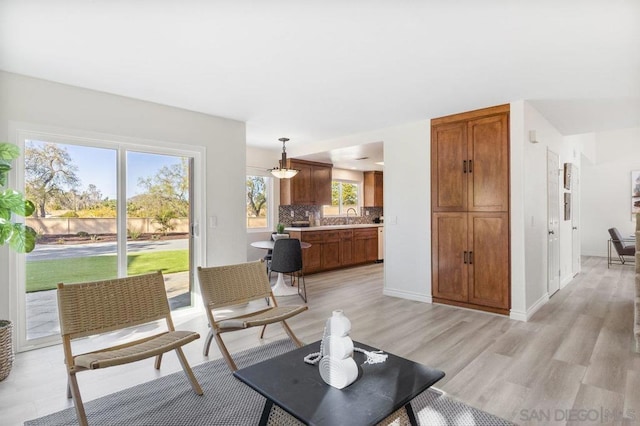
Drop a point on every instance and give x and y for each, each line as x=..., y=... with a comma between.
x=373, y=189
x=470, y=209
x=470, y=162
x=310, y=186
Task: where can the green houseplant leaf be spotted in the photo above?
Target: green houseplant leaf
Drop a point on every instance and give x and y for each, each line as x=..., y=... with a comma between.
x=20, y=238
x=9, y=151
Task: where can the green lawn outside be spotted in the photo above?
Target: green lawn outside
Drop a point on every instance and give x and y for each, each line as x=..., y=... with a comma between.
x=46, y=274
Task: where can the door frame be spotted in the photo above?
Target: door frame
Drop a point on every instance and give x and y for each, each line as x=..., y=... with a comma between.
x=575, y=221
x=19, y=132
x=553, y=222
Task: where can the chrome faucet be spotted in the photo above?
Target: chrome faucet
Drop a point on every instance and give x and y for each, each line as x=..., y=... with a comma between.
x=355, y=213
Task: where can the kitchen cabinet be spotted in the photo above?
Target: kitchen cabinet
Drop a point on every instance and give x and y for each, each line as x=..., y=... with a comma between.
x=311, y=186
x=365, y=242
x=312, y=256
x=346, y=247
x=373, y=189
x=470, y=210
x=333, y=249
x=471, y=259
x=470, y=162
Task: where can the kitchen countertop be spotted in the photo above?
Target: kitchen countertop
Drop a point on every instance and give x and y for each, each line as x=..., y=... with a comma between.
x=330, y=227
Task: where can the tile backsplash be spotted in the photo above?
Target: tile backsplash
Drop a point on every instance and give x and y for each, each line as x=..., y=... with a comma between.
x=302, y=212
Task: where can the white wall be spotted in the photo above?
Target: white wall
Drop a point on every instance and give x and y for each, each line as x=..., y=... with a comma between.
x=407, y=262
x=517, y=210
x=606, y=188
x=39, y=102
x=529, y=207
x=407, y=206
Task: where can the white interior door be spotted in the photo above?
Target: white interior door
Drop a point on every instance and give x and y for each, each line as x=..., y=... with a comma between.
x=553, y=230
x=575, y=221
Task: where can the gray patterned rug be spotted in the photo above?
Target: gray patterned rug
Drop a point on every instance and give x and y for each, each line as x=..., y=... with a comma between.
x=226, y=401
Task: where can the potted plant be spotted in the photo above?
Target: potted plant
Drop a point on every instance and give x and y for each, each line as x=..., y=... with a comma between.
x=17, y=236
x=279, y=232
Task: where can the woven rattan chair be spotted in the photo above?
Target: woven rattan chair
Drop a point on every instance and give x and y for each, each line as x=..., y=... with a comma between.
x=238, y=285
x=92, y=308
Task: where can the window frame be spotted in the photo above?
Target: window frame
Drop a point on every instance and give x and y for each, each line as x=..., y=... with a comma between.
x=341, y=209
x=20, y=132
x=270, y=209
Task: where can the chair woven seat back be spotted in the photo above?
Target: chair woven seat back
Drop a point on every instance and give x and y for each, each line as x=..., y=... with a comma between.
x=287, y=256
x=91, y=308
x=233, y=284
x=244, y=286
x=101, y=306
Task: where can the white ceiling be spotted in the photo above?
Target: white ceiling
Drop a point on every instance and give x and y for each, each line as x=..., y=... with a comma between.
x=369, y=156
x=314, y=70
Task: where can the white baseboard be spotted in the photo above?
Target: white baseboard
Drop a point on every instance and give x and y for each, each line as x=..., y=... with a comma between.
x=566, y=281
x=526, y=316
x=407, y=295
x=518, y=315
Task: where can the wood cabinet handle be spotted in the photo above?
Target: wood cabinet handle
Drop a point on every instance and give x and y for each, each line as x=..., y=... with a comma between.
x=464, y=167
x=470, y=258
x=470, y=166
x=465, y=258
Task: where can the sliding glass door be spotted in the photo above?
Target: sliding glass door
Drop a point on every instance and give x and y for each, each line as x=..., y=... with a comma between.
x=103, y=210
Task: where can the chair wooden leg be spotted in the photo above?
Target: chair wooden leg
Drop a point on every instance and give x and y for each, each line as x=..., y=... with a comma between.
x=77, y=400
x=158, y=361
x=207, y=342
x=187, y=370
x=293, y=337
x=264, y=327
x=69, y=390
x=225, y=353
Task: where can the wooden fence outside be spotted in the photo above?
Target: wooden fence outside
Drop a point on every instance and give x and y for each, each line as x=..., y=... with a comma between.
x=74, y=225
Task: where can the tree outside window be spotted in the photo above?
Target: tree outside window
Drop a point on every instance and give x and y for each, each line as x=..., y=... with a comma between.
x=344, y=195
x=258, y=202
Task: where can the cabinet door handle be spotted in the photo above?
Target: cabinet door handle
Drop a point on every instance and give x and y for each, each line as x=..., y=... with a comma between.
x=470, y=166
x=470, y=258
x=465, y=258
x=464, y=167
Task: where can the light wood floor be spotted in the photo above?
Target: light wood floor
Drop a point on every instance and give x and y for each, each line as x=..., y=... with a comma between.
x=572, y=361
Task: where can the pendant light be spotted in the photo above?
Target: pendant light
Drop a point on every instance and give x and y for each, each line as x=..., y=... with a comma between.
x=284, y=171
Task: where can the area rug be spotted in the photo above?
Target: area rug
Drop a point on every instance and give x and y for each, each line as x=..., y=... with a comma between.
x=170, y=400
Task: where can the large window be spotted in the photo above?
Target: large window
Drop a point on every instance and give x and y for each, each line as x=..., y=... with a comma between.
x=259, y=202
x=105, y=209
x=344, y=195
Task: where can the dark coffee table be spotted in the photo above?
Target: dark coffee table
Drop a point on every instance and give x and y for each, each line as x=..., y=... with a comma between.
x=296, y=387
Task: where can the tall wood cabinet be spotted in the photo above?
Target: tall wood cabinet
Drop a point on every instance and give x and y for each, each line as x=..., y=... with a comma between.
x=373, y=191
x=311, y=186
x=470, y=209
